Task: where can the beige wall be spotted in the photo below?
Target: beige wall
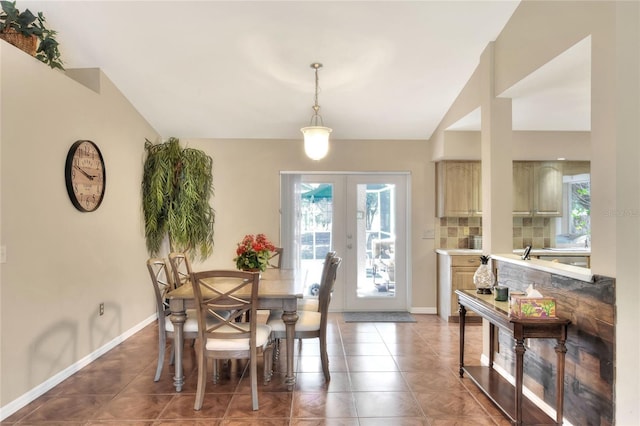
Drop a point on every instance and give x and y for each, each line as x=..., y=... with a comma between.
x=247, y=178
x=62, y=263
x=87, y=258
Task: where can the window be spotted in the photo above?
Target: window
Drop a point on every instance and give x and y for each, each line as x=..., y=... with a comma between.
x=574, y=228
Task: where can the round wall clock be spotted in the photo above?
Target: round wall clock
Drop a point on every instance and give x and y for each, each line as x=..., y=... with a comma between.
x=85, y=175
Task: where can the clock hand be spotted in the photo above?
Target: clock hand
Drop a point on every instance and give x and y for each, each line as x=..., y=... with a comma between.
x=84, y=173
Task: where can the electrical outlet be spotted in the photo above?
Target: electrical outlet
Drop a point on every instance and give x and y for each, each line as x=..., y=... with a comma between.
x=466, y=230
x=102, y=309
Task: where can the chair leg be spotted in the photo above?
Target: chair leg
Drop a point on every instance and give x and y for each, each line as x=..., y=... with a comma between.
x=253, y=369
x=324, y=356
x=276, y=350
x=268, y=363
x=202, y=381
x=162, y=348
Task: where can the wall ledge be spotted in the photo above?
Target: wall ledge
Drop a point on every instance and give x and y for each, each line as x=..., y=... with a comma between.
x=575, y=272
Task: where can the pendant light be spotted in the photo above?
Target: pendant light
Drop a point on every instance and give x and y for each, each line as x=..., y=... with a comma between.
x=316, y=135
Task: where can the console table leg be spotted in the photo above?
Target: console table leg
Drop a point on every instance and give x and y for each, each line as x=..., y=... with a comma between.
x=519, y=349
x=561, y=350
x=492, y=349
x=462, y=311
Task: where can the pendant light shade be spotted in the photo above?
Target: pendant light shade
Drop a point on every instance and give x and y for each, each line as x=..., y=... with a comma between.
x=316, y=141
x=316, y=135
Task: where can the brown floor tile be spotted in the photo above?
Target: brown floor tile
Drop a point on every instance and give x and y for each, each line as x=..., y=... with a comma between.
x=134, y=407
x=381, y=374
x=323, y=405
x=383, y=381
x=386, y=404
x=67, y=408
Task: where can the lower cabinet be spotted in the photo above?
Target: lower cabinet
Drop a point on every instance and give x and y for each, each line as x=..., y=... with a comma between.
x=455, y=272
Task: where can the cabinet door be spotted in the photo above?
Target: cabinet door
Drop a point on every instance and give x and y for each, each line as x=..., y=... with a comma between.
x=476, y=206
x=455, y=188
x=461, y=279
x=523, y=184
x=548, y=189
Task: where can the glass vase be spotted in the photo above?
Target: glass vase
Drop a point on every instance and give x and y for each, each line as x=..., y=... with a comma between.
x=483, y=279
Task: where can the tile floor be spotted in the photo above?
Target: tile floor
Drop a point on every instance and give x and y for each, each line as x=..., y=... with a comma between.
x=381, y=374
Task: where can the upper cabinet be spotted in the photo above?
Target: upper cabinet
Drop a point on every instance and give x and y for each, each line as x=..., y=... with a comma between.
x=547, y=194
x=537, y=188
x=458, y=189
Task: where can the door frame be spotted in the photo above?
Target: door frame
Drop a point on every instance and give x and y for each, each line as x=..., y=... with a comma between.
x=339, y=231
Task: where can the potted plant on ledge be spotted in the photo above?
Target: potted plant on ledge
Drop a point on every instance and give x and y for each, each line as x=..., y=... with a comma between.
x=28, y=32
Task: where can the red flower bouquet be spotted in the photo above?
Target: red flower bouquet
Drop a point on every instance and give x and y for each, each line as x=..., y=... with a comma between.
x=253, y=252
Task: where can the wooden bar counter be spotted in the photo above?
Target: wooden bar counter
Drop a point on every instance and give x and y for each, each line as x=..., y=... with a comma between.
x=507, y=397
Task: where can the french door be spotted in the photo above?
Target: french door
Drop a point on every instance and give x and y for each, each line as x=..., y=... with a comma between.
x=363, y=218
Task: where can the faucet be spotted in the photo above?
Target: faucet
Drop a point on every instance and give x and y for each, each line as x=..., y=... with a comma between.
x=586, y=242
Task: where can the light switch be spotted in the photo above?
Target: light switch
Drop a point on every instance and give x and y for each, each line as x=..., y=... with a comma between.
x=428, y=234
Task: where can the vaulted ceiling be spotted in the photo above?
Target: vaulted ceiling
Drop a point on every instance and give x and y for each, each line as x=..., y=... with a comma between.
x=241, y=69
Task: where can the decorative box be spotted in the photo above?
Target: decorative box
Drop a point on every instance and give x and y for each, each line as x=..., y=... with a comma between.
x=532, y=307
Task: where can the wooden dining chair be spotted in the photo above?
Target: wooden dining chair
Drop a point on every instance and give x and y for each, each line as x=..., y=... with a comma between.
x=235, y=292
x=311, y=303
x=275, y=260
x=180, y=268
x=162, y=284
x=313, y=324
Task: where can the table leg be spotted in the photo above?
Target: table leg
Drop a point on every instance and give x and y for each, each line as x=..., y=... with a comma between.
x=519, y=349
x=290, y=318
x=492, y=347
x=463, y=313
x=178, y=318
x=561, y=350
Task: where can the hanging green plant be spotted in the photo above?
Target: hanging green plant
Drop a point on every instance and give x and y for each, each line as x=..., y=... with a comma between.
x=177, y=184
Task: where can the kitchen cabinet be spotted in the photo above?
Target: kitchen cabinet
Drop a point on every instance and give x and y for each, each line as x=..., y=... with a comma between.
x=458, y=189
x=455, y=272
x=547, y=194
x=537, y=188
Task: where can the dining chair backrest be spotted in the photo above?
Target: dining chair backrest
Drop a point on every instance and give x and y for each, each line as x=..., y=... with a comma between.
x=180, y=268
x=326, y=286
x=162, y=284
x=327, y=262
x=236, y=294
x=275, y=261
x=229, y=291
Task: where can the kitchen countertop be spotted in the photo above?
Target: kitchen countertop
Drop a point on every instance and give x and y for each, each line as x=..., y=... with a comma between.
x=534, y=252
x=576, y=272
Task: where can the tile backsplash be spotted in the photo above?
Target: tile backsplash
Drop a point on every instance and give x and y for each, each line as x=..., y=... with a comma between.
x=455, y=232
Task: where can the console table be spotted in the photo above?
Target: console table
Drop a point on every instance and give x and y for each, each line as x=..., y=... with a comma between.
x=507, y=397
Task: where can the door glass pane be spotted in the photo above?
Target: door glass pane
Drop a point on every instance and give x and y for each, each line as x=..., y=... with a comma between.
x=316, y=227
x=376, y=240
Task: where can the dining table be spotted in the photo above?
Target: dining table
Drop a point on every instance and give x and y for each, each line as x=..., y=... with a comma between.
x=279, y=289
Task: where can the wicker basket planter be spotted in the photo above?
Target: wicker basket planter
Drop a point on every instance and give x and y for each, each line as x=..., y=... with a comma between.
x=28, y=44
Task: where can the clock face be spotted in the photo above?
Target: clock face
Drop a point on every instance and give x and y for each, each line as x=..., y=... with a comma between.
x=85, y=176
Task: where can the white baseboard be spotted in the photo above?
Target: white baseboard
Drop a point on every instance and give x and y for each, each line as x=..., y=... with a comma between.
x=55, y=380
x=429, y=311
